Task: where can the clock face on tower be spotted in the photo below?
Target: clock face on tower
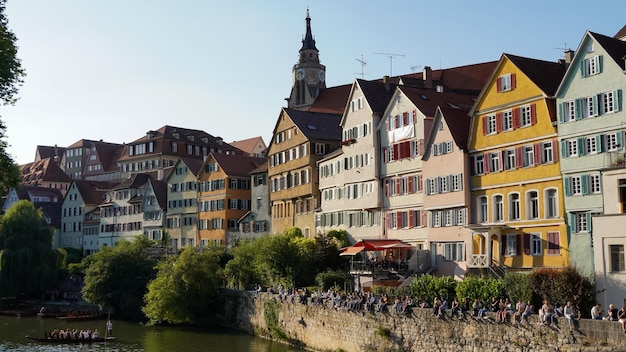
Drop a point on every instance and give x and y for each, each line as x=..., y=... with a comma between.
x=322, y=75
x=300, y=74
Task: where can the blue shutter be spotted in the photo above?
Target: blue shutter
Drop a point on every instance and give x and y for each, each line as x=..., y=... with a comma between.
x=567, y=185
x=620, y=138
x=598, y=102
x=588, y=216
x=581, y=146
x=578, y=108
x=564, y=149
x=571, y=225
x=601, y=143
x=582, y=68
x=561, y=120
x=596, y=109
x=618, y=99
x=599, y=63
x=584, y=181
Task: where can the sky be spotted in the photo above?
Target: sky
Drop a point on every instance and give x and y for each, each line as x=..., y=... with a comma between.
x=115, y=69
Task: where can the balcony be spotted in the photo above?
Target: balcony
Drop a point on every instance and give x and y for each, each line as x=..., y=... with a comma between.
x=615, y=159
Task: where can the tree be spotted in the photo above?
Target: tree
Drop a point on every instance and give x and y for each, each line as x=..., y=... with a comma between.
x=28, y=265
x=118, y=276
x=11, y=78
x=185, y=287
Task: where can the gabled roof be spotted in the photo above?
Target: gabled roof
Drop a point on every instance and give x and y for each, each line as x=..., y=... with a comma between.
x=427, y=100
x=377, y=94
x=621, y=33
x=45, y=170
x=160, y=192
x=134, y=181
x=249, y=145
x=51, y=213
x=194, y=165
x=316, y=125
x=30, y=192
x=238, y=165
x=546, y=75
x=93, y=192
x=458, y=122
x=615, y=48
x=45, y=152
x=261, y=169
x=332, y=100
x=83, y=143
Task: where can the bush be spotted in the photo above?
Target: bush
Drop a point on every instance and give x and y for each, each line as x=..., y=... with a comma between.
x=428, y=287
x=562, y=285
x=333, y=278
x=483, y=288
x=516, y=287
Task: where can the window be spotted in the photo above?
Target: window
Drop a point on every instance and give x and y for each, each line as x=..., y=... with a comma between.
x=508, y=157
x=591, y=66
x=529, y=155
x=581, y=222
x=594, y=184
x=435, y=218
x=514, y=206
x=614, y=141
x=609, y=102
x=507, y=120
x=535, y=244
x=547, y=152
x=525, y=116
x=320, y=148
x=511, y=245
x=174, y=147
x=572, y=147
x=617, y=257
x=551, y=204
x=491, y=124
x=589, y=107
x=533, y=205
x=498, y=208
x=505, y=83
x=569, y=111
x=454, y=251
x=494, y=162
x=575, y=185
x=482, y=209
x=591, y=147
x=456, y=182
x=479, y=164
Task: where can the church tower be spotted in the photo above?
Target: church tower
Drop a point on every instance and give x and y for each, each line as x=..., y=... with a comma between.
x=308, y=75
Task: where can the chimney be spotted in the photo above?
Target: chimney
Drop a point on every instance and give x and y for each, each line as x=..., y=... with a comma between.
x=385, y=79
x=569, y=55
x=427, y=76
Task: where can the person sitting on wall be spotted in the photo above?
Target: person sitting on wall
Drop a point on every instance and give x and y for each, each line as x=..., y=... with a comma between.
x=570, y=314
x=528, y=311
x=596, y=312
x=622, y=318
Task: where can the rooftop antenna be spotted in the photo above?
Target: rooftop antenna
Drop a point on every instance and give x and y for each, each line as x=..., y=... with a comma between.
x=564, y=49
x=416, y=67
x=363, y=63
x=391, y=57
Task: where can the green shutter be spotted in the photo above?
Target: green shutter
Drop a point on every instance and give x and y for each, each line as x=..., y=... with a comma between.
x=584, y=181
x=578, y=108
x=601, y=143
x=599, y=63
x=563, y=149
x=618, y=99
x=582, y=68
x=571, y=225
x=620, y=138
x=581, y=146
x=594, y=99
x=588, y=215
x=561, y=120
x=567, y=185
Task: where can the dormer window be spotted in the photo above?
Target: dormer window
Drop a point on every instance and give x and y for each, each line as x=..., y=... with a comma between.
x=191, y=137
x=176, y=135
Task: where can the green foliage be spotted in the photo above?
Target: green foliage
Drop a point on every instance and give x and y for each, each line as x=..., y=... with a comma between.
x=28, y=265
x=483, y=288
x=185, y=287
x=340, y=236
x=562, y=285
x=332, y=278
x=118, y=277
x=287, y=258
x=270, y=314
x=11, y=77
x=428, y=287
x=74, y=255
x=516, y=287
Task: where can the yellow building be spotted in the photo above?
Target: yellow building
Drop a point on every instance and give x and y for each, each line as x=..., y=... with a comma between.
x=224, y=196
x=516, y=186
x=300, y=140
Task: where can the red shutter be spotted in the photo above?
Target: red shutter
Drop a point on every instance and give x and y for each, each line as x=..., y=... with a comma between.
x=388, y=221
x=537, y=153
x=410, y=184
x=396, y=151
x=554, y=246
x=423, y=215
x=405, y=149
x=499, y=122
x=414, y=116
x=398, y=186
x=518, y=243
x=420, y=183
x=498, y=85
x=405, y=117
x=486, y=163
x=555, y=151
x=516, y=118
x=533, y=114
x=387, y=187
x=513, y=81
x=399, y=220
x=485, y=122
x=527, y=243
x=473, y=165
x=519, y=159
x=411, y=218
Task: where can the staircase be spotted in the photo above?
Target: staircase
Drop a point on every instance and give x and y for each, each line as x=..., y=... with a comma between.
x=498, y=271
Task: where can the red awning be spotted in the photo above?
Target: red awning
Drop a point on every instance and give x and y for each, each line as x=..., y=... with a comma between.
x=352, y=250
x=375, y=245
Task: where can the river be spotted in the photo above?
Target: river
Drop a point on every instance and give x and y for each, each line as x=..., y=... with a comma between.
x=131, y=337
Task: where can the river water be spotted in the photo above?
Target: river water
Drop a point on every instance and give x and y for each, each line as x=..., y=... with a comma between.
x=131, y=337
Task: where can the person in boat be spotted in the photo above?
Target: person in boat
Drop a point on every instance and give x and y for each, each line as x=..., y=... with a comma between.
x=109, y=328
x=95, y=334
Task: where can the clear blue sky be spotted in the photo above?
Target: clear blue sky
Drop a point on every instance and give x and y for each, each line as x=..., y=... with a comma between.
x=115, y=69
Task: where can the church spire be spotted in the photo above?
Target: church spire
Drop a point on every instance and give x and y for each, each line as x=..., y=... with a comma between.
x=308, y=42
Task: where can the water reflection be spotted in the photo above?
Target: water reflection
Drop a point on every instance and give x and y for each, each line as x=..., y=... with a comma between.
x=132, y=337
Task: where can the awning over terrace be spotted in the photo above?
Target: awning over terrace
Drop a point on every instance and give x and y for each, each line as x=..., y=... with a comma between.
x=374, y=245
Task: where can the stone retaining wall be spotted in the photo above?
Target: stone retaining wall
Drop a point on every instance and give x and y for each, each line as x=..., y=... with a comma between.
x=325, y=329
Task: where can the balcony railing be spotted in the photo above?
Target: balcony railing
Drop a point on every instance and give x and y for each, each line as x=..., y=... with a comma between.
x=478, y=260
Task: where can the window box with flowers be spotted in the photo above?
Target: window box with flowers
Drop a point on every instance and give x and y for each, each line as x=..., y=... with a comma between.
x=348, y=141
